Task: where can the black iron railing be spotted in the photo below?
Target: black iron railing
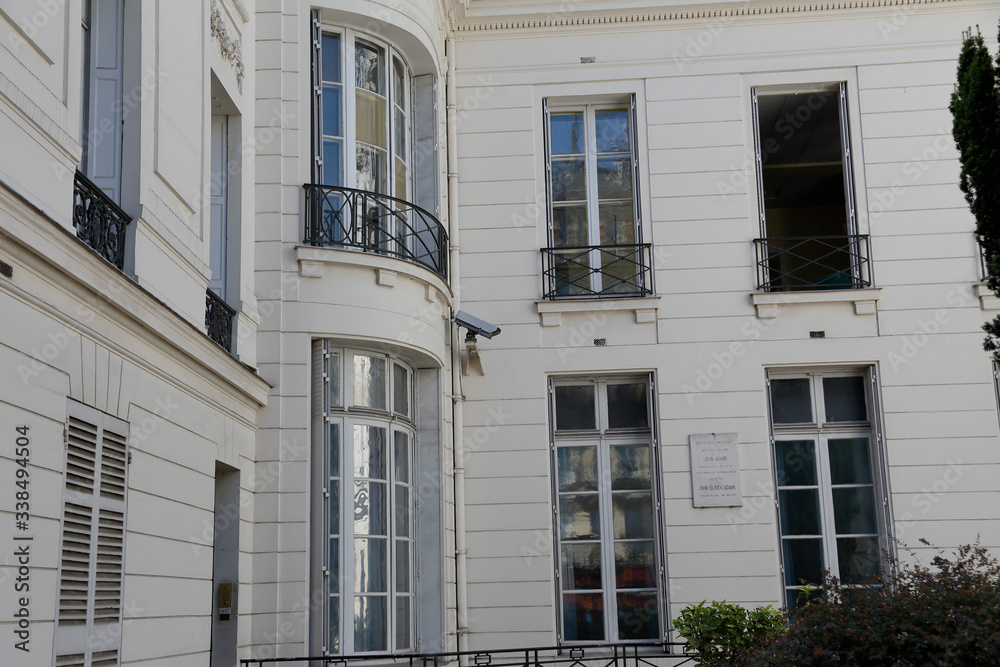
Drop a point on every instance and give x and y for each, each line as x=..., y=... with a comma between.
x=665, y=654
x=787, y=264
x=370, y=222
x=99, y=222
x=597, y=271
x=219, y=318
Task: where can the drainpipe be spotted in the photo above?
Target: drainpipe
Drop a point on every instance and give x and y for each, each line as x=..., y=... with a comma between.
x=461, y=577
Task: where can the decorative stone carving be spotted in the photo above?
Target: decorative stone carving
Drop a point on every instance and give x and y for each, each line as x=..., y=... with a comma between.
x=231, y=48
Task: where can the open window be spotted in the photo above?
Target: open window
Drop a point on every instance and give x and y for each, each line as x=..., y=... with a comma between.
x=809, y=233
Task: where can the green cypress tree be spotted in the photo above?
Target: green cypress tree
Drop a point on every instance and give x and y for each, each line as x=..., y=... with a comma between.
x=975, y=109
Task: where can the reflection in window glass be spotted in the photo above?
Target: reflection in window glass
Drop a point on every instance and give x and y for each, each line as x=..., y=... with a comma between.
x=369, y=381
x=575, y=407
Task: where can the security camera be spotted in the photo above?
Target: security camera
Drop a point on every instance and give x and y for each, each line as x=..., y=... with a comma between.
x=476, y=326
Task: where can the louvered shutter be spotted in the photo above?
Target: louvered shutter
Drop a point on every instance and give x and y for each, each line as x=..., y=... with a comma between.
x=89, y=610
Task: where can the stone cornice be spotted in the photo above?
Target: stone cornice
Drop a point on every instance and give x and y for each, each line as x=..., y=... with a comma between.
x=709, y=13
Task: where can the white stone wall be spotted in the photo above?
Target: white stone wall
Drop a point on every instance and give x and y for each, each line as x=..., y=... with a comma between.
x=708, y=348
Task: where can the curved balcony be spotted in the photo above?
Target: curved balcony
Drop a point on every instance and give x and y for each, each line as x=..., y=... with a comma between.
x=370, y=222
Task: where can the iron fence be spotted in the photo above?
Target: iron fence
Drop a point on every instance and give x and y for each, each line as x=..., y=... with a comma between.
x=219, y=317
x=375, y=223
x=664, y=654
x=99, y=222
x=787, y=264
x=597, y=271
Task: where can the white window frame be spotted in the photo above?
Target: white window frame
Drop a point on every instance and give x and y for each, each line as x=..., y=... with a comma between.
x=604, y=437
x=820, y=432
x=347, y=416
x=349, y=38
x=589, y=109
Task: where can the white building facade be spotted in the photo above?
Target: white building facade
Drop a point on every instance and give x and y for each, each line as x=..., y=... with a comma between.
x=738, y=291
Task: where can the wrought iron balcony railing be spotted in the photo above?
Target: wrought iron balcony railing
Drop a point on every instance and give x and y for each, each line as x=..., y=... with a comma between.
x=605, y=271
x=663, y=654
x=99, y=222
x=787, y=264
x=219, y=318
x=370, y=222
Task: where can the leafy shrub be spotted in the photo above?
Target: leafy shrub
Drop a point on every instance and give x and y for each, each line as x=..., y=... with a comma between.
x=946, y=614
x=723, y=634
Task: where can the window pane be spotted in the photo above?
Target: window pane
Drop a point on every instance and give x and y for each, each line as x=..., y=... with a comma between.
x=402, y=515
x=581, y=566
x=369, y=451
x=614, y=177
x=370, y=166
x=632, y=515
x=569, y=227
x=627, y=406
x=366, y=68
x=335, y=371
x=370, y=623
x=579, y=517
x=583, y=616
x=799, y=512
x=403, y=622
x=638, y=617
x=402, y=458
x=635, y=565
x=619, y=270
x=566, y=133
x=796, y=462
x=849, y=461
x=334, y=508
x=790, y=401
x=613, y=135
x=370, y=119
x=402, y=566
x=630, y=467
x=401, y=390
x=577, y=468
x=399, y=78
x=331, y=58
x=369, y=508
x=370, y=565
x=859, y=559
x=399, y=136
x=803, y=561
x=575, y=407
x=334, y=456
x=332, y=161
x=569, y=179
x=845, y=399
x=333, y=636
x=572, y=273
x=331, y=111
x=334, y=564
x=617, y=223
x=369, y=381
x=854, y=510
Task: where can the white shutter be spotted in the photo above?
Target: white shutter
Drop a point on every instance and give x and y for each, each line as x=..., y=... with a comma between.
x=104, y=131
x=88, y=619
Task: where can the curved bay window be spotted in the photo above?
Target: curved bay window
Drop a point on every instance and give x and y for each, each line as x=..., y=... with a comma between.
x=365, y=539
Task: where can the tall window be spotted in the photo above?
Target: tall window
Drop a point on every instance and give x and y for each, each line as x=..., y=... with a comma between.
x=362, y=113
x=807, y=216
x=91, y=555
x=606, y=507
x=593, y=216
x=366, y=504
x=101, y=120
x=830, y=493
